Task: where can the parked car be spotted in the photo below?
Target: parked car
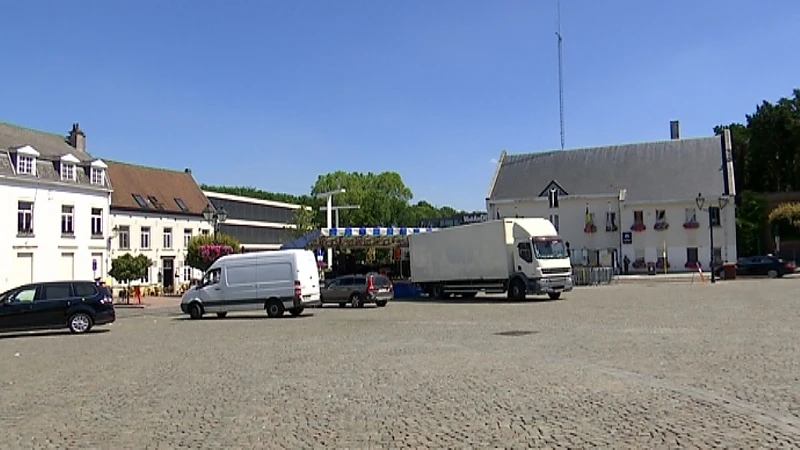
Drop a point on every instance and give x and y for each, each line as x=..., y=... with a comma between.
x=77, y=305
x=769, y=266
x=358, y=290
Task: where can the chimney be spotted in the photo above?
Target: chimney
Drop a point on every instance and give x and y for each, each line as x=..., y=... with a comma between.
x=674, y=129
x=188, y=170
x=77, y=138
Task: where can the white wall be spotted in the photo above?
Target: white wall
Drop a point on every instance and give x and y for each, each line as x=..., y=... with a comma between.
x=156, y=252
x=650, y=242
x=47, y=256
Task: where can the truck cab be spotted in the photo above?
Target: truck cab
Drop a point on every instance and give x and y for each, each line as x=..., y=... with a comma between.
x=541, y=266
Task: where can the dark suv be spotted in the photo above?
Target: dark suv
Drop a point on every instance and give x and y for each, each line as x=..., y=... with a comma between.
x=358, y=290
x=77, y=305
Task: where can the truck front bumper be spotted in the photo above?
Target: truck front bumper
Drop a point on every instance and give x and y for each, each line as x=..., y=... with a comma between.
x=551, y=285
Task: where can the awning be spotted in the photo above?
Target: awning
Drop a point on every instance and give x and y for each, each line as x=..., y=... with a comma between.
x=356, y=237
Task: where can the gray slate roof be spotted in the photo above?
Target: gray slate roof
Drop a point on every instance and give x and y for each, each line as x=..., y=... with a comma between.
x=650, y=171
x=51, y=148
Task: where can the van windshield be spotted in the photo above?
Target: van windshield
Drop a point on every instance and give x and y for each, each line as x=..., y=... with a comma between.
x=549, y=248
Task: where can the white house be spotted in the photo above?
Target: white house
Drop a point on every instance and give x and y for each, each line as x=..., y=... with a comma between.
x=61, y=196
x=155, y=212
x=637, y=200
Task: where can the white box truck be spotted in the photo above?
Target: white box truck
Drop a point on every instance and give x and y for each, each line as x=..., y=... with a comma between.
x=517, y=256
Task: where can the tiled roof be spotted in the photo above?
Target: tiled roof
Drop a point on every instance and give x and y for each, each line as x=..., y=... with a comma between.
x=51, y=148
x=650, y=171
x=165, y=186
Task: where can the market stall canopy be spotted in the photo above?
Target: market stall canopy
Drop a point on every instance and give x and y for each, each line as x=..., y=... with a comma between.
x=356, y=237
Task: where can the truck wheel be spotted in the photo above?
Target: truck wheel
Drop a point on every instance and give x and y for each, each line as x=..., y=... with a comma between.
x=554, y=295
x=517, y=290
x=438, y=292
x=274, y=308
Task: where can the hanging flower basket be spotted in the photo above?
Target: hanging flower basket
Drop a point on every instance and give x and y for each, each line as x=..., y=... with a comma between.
x=660, y=264
x=638, y=227
x=590, y=228
x=661, y=226
x=690, y=265
x=611, y=228
x=691, y=225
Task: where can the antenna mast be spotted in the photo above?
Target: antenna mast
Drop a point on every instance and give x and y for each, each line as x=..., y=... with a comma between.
x=560, y=77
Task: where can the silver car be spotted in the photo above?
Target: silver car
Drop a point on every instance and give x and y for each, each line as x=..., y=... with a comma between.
x=357, y=290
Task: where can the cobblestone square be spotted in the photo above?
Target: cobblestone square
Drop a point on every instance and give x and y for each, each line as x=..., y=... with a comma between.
x=641, y=364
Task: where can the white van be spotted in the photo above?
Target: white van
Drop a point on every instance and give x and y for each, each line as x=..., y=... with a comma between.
x=277, y=281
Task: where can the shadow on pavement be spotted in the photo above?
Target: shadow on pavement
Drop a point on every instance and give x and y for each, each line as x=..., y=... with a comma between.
x=472, y=301
x=263, y=316
x=49, y=333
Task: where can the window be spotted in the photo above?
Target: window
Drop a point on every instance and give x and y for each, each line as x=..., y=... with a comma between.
x=611, y=221
x=124, y=237
x=691, y=255
x=25, y=164
x=145, y=241
x=525, y=251
x=25, y=295
x=691, y=215
x=84, y=289
x=212, y=277
x=141, y=201
x=56, y=291
x=97, y=222
x=187, y=273
x=181, y=205
x=68, y=171
x=717, y=256
x=98, y=176
x=638, y=217
x=549, y=248
x=638, y=254
x=154, y=201
x=661, y=215
x=167, y=237
x=714, y=215
x=146, y=278
x=187, y=236
x=67, y=220
x=205, y=232
x=554, y=219
x=553, y=198
x=25, y=218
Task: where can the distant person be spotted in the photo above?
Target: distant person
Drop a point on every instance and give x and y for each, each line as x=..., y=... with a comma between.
x=626, y=262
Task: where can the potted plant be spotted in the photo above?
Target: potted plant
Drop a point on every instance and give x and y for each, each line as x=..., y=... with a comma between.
x=639, y=264
x=590, y=228
x=638, y=227
x=661, y=262
x=661, y=226
x=690, y=265
x=691, y=225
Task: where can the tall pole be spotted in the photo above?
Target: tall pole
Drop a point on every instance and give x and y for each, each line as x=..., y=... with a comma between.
x=328, y=214
x=711, y=241
x=560, y=76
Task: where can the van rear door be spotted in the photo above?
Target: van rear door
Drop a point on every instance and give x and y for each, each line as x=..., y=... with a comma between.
x=308, y=275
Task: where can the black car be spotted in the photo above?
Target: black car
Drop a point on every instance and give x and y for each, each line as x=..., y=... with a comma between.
x=769, y=266
x=77, y=305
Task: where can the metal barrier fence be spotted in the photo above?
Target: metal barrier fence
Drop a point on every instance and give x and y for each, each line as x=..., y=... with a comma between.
x=589, y=276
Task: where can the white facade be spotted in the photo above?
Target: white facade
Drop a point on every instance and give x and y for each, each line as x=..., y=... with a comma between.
x=161, y=237
x=680, y=244
x=51, y=231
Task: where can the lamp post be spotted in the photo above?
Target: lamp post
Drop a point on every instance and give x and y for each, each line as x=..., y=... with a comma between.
x=722, y=202
x=328, y=196
x=215, y=217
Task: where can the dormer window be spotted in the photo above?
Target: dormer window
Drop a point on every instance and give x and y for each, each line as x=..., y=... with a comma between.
x=98, y=176
x=25, y=164
x=67, y=171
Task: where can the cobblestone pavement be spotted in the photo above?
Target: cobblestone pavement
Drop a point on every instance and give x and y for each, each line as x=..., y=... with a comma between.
x=643, y=366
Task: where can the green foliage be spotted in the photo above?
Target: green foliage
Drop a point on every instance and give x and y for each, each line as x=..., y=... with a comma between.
x=127, y=267
x=193, y=257
x=751, y=222
x=305, y=220
x=785, y=220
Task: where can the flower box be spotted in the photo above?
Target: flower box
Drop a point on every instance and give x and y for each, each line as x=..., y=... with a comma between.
x=691, y=265
x=661, y=226
x=660, y=264
x=638, y=227
x=611, y=229
x=590, y=228
x=639, y=264
x=691, y=225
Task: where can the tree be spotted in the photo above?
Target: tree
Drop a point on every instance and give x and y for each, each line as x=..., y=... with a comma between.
x=786, y=219
x=305, y=220
x=751, y=222
x=203, y=249
x=127, y=268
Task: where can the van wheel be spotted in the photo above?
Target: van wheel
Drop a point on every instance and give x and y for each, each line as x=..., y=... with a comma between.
x=381, y=303
x=554, y=295
x=517, y=290
x=222, y=314
x=342, y=304
x=296, y=311
x=355, y=301
x=195, y=311
x=274, y=308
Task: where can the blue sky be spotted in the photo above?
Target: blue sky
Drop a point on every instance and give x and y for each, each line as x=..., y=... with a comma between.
x=273, y=93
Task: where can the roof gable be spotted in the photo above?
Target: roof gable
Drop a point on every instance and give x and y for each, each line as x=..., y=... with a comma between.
x=650, y=171
x=154, y=190
x=553, y=186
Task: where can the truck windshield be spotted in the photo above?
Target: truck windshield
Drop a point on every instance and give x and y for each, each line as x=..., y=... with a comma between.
x=549, y=248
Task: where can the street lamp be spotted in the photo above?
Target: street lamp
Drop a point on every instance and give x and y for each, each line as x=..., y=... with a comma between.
x=328, y=196
x=216, y=217
x=722, y=202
